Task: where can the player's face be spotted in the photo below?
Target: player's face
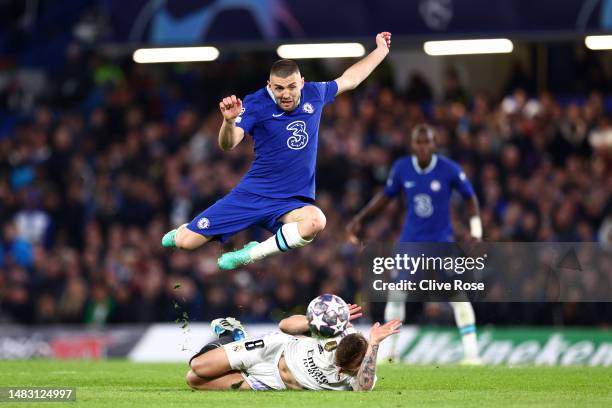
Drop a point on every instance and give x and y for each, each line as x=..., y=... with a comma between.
x=423, y=147
x=287, y=91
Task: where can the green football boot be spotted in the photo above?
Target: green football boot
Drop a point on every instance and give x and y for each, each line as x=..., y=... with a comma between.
x=168, y=240
x=232, y=260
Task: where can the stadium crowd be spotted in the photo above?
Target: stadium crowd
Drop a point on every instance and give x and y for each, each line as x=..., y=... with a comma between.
x=98, y=160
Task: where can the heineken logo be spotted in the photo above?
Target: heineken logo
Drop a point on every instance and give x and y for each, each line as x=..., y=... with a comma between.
x=513, y=347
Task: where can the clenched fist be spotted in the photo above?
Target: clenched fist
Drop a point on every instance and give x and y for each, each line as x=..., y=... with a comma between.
x=231, y=107
x=383, y=40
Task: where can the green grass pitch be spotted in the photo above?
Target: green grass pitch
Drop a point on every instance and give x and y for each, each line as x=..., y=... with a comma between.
x=124, y=384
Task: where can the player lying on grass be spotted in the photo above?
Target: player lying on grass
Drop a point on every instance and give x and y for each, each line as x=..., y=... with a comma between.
x=278, y=191
x=289, y=359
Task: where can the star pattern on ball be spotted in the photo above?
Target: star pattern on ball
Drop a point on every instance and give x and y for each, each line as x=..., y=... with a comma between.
x=317, y=321
x=335, y=306
x=339, y=326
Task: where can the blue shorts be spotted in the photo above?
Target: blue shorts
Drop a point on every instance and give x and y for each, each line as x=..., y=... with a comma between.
x=240, y=210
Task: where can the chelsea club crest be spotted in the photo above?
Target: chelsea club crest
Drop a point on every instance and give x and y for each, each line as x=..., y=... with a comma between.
x=435, y=185
x=203, y=223
x=308, y=108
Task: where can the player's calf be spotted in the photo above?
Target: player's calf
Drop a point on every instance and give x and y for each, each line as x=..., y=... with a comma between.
x=184, y=238
x=299, y=229
x=466, y=322
x=229, y=381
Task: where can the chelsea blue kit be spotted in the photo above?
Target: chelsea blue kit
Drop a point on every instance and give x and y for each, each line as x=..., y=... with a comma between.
x=428, y=194
x=282, y=175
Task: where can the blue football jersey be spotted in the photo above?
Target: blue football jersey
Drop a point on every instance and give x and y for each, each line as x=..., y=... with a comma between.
x=428, y=194
x=285, y=142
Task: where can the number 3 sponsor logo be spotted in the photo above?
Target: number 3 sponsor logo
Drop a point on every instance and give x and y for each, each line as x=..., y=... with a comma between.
x=423, y=206
x=299, y=138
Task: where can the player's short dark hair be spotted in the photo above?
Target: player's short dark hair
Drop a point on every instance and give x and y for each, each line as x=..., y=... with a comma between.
x=284, y=67
x=422, y=128
x=351, y=351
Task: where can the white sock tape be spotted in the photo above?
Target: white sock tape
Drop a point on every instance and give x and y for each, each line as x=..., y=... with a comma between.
x=476, y=227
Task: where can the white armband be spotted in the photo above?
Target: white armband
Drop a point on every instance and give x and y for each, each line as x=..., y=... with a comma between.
x=476, y=227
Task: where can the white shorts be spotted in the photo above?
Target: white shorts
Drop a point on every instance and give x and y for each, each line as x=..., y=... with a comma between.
x=257, y=360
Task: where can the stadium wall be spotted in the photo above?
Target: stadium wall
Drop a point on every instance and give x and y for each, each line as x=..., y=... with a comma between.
x=417, y=345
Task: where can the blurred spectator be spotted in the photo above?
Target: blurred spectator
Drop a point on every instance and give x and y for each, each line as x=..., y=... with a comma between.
x=72, y=301
x=99, y=306
x=453, y=89
x=14, y=248
x=31, y=222
x=418, y=89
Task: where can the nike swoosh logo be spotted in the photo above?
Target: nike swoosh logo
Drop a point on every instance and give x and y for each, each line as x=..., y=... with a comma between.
x=278, y=115
x=409, y=184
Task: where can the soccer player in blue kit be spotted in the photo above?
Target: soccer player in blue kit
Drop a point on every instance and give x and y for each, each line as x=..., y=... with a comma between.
x=427, y=181
x=278, y=191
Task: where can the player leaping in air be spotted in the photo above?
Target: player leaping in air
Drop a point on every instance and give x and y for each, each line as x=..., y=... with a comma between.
x=278, y=191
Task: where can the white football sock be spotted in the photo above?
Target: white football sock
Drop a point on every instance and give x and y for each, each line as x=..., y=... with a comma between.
x=287, y=237
x=264, y=248
x=291, y=234
x=395, y=310
x=466, y=322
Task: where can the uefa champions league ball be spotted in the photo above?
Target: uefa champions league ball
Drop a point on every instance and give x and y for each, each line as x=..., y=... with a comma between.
x=328, y=315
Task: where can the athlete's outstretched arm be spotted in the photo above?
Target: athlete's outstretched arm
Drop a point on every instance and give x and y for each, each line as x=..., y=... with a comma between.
x=462, y=185
x=367, y=371
x=359, y=71
x=230, y=134
x=298, y=324
x=376, y=204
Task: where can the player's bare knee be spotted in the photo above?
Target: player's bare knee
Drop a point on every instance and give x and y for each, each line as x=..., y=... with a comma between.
x=317, y=221
x=317, y=225
x=312, y=227
x=191, y=379
x=199, y=367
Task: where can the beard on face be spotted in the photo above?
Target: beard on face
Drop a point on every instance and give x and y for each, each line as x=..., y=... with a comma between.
x=286, y=104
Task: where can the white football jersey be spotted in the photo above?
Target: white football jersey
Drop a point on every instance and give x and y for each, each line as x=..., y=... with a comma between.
x=312, y=363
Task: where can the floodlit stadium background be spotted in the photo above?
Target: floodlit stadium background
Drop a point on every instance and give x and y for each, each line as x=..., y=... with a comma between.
x=100, y=155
